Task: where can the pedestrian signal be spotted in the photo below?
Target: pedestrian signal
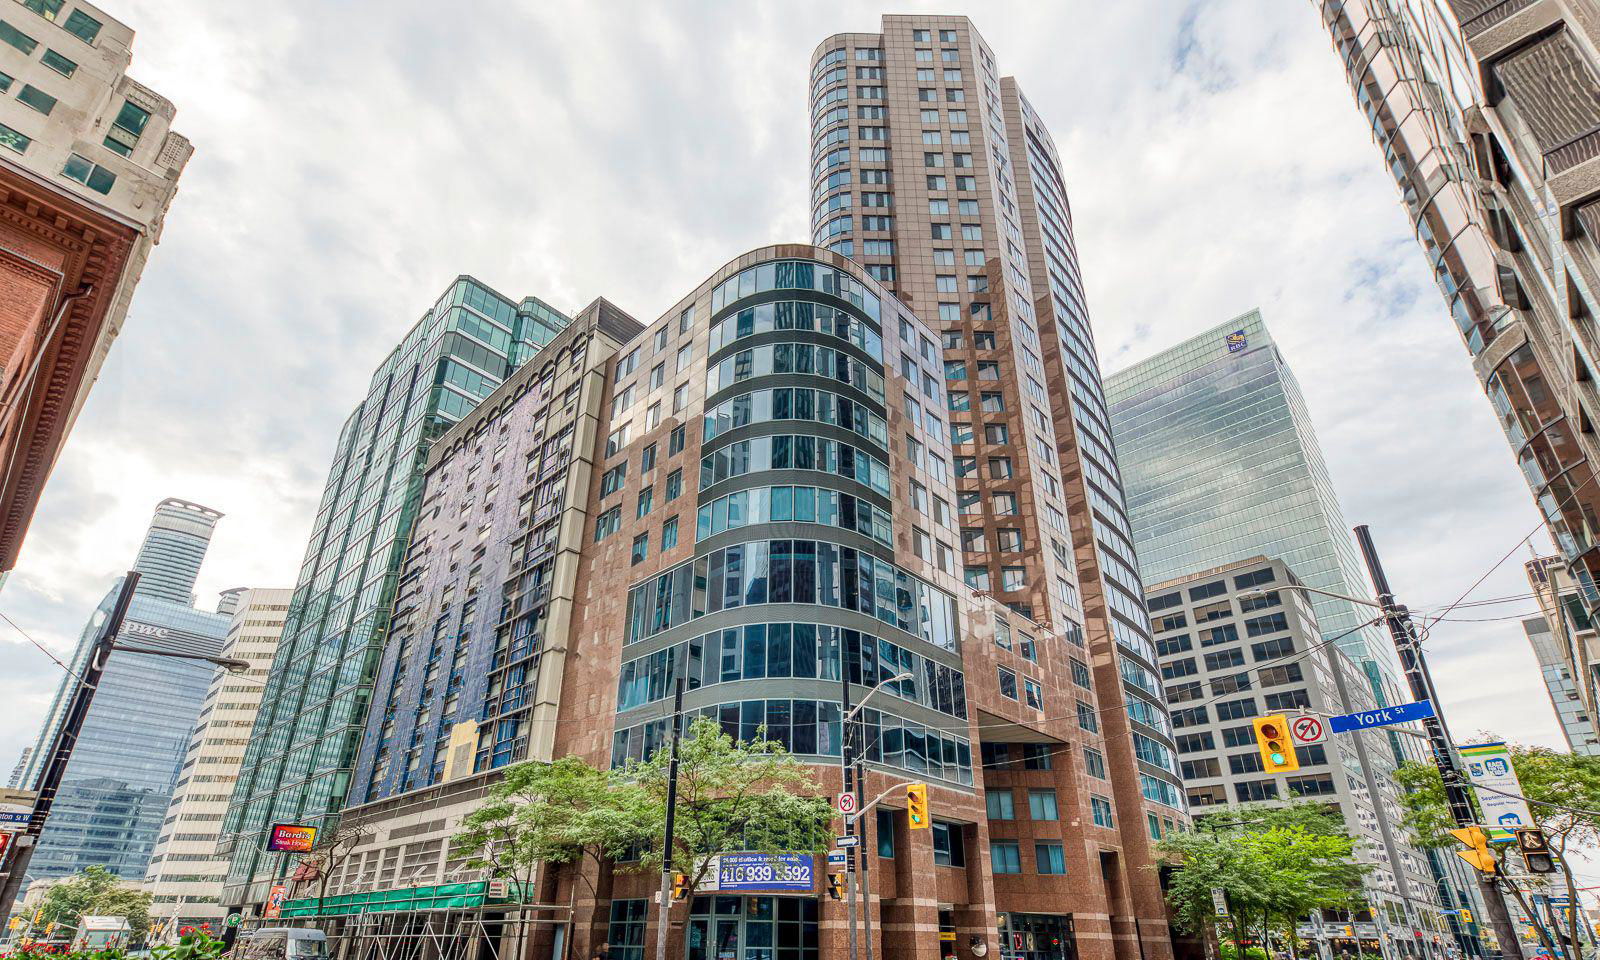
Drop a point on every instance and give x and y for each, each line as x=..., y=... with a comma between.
x=1277, y=751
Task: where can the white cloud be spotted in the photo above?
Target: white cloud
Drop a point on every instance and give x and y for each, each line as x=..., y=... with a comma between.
x=353, y=158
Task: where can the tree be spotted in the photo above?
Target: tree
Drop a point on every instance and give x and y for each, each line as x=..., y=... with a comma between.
x=552, y=813
x=329, y=853
x=96, y=892
x=1274, y=865
x=1563, y=790
x=733, y=795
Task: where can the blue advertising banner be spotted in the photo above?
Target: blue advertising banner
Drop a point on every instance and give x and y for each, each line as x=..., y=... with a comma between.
x=765, y=872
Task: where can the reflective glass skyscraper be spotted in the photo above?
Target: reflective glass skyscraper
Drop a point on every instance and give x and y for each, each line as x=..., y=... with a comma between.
x=124, y=768
x=1220, y=463
x=298, y=764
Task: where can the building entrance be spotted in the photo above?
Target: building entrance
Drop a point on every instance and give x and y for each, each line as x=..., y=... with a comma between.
x=753, y=928
x=1037, y=936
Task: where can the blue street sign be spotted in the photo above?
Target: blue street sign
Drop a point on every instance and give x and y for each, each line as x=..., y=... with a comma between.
x=1381, y=717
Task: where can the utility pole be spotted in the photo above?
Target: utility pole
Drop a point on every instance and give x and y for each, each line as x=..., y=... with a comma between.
x=866, y=840
x=672, y=812
x=61, y=746
x=846, y=770
x=1457, y=799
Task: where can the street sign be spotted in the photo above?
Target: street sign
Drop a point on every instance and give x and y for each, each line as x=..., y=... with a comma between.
x=497, y=889
x=847, y=803
x=847, y=840
x=1307, y=730
x=837, y=858
x=1489, y=768
x=1381, y=717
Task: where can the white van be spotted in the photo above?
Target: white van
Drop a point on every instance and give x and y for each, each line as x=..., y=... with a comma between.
x=282, y=943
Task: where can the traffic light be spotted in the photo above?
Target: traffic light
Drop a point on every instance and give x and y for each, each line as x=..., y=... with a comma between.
x=680, y=886
x=1277, y=752
x=1535, y=850
x=1477, y=852
x=917, y=806
x=1466, y=915
x=836, y=886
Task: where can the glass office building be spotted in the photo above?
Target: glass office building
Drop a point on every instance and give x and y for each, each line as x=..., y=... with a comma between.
x=116, y=788
x=298, y=764
x=1220, y=463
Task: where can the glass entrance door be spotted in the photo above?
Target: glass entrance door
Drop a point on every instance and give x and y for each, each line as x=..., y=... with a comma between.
x=753, y=928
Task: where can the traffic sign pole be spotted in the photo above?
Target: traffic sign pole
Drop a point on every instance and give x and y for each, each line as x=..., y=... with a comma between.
x=1403, y=634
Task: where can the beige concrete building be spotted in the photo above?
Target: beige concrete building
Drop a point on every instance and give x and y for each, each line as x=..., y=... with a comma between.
x=88, y=167
x=186, y=873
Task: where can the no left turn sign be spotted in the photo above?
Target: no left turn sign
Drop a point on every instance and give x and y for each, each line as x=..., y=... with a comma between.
x=1307, y=730
x=847, y=803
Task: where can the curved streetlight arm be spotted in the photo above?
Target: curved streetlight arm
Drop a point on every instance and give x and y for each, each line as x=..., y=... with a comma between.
x=879, y=686
x=1263, y=591
x=230, y=664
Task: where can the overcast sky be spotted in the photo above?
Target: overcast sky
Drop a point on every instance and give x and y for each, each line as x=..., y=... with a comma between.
x=352, y=158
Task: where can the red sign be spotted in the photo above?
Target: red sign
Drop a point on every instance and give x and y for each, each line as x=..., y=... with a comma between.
x=290, y=838
x=275, y=900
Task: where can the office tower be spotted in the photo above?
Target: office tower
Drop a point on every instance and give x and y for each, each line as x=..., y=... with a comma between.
x=15, y=780
x=116, y=787
x=1486, y=115
x=186, y=873
x=88, y=167
x=297, y=767
x=1235, y=645
x=1221, y=463
x=1563, y=641
x=936, y=174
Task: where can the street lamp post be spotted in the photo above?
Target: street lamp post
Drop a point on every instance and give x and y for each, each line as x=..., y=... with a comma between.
x=852, y=772
x=66, y=738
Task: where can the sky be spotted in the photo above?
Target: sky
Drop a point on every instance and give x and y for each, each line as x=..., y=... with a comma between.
x=352, y=159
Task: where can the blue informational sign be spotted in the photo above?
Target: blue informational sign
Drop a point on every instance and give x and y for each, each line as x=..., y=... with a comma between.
x=1381, y=717
x=761, y=871
x=1236, y=341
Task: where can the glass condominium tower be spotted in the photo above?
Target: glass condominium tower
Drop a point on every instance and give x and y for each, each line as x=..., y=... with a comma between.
x=303, y=746
x=935, y=173
x=1487, y=115
x=1222, y=464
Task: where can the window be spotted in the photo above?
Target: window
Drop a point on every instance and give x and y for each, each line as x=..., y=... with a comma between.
x=947, y=36
x=685, y=319
x=675, y=441
x=669, y=534
x=1008, y=683
x=948, y=849
x=132, y=118
x=1094, y=764
x=45, y=8
x=1272, y=649
x=1271, y=623
x=674, y=485
x=647, y=459
x=1236, y=709
x=607, y=523
x=82, y=26
x=13, y=139
x=617, y=439
x=1004, y=856
x=1042, y=805
x=1206, y=591
x=1154, y=823
x=1252, y=604
x=641, y=547
x=1048, y=858
x=1033, y=694
x=1101, y=807
x=38, y=100
x=1244, y=763
x=88, y=173
x=1087, y=718
x=611, y=481
x=1254, y=578
x=680, y=396
x=62, y=65
x=1255, y=790
x=885, y=820
x=646, y=503
x=1195, y=742
x=1224, y=659
x=1002, y=805
x=1178, y=643
x=685, y=357
x=1080, y=673
x=1036, y=756
x=1288, y=700
x=17, y=38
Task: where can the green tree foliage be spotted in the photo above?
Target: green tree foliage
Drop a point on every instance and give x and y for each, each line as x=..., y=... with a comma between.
x=746, y=795
x=96, y=892
x=556, y=813
x=1273, y=864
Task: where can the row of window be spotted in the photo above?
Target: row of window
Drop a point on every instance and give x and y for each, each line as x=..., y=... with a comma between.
x=1216, y=588
x=795, y=504
x=800, y=650
x=803, y=358
x=812, y=728
x=797, y=315
x=760, y=454
x=792, y=571
x=796, y=403
x=797, y=275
